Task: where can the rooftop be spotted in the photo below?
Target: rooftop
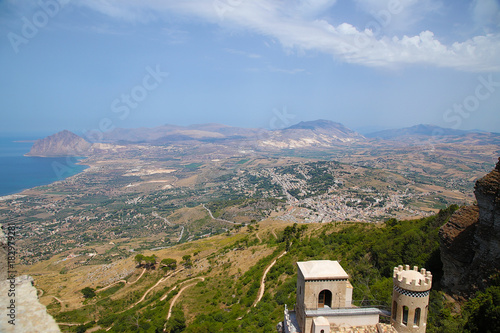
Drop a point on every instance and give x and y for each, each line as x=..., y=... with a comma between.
x=322, y=269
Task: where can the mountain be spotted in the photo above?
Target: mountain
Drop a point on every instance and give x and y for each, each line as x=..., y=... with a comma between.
x=322, y=125
x=172, y=133
x=64, y=143
x=303, y=134
x=417, y=130
x=320, y=133
x=470, y=240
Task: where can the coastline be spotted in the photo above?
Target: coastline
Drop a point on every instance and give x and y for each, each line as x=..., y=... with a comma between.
x=80, y=161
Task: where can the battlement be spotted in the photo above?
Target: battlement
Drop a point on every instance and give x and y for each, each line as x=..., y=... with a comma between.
x=412, y=280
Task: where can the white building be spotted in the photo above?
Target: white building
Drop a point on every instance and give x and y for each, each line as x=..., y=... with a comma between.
x=324, y=303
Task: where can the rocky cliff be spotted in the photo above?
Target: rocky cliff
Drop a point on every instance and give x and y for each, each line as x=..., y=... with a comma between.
x=64, y=143
x=470, y=240
x=21, y=310
x=3, y=256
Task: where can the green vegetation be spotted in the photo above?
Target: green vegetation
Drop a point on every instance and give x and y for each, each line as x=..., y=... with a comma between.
x=148, y=262
x=483, y=311
x=224, y=302
x=88, y=292
x=193, y=166
x=168, y=264
x=112, y=290
x=186, y=261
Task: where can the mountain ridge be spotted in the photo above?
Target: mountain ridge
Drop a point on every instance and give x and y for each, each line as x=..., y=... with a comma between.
x=319, y=133
x=421, y=130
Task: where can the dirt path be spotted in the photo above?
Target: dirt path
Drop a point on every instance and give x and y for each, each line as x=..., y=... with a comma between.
x=214, y=218
x=163, y=279
x=182, y=233
x=274, y=234
x=73, y=324
x=155, y=214
x=119, y=281
x=143, y=271
x=179, y=294
x=57, y=299
x=263, y=281
x=110, y=285
x=258, y=237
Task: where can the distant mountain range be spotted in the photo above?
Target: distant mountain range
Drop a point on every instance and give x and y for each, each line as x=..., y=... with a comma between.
x=317, y=133
x=418, y=130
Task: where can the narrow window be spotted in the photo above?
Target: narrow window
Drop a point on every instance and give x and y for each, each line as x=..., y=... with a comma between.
x=322, y=331
x=405, y=315
x=416, y=319
x=394, y=310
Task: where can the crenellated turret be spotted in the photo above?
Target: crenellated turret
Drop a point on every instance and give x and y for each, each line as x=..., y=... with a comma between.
x=412, y=280
x=410, y=299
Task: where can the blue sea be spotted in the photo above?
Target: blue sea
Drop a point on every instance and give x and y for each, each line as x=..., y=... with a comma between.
x=18, y=172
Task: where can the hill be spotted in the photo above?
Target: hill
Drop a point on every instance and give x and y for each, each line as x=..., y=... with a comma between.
x=217, y=281
x=304, y=134
x=318, y=133
x=64, y=143
x=417, y=130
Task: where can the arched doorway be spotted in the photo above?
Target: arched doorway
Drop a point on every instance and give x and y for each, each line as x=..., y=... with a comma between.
x=325, y=298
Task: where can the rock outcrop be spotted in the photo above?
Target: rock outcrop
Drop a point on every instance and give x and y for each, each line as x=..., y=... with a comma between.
x=22, y=312
x=470, y=240
x=64, y=143
x=21, y=309
x=3, y=256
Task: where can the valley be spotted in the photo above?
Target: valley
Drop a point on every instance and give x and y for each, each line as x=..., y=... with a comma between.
x=222, y=210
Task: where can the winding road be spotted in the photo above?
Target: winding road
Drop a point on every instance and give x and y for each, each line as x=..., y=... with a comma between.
x=112, y=284
x=179, y=294
x=214, y=218
x=155, y=214
x=263, y=280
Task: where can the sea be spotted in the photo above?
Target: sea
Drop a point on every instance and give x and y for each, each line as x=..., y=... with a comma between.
x=19, y=172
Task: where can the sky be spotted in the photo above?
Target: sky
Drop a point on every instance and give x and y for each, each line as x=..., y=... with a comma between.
x=94, y=65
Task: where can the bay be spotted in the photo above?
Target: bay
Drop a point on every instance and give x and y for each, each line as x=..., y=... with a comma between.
x=19, y=172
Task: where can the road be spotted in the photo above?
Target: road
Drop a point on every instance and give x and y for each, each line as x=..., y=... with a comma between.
x=263, y=281
x=214, y=218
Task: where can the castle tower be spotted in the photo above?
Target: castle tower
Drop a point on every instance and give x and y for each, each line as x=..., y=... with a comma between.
x=410, y=299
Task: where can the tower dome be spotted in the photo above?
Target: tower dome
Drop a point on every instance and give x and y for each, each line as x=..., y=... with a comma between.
x=410, y=299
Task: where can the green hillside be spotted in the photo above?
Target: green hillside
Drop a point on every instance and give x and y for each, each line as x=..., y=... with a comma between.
x=215, y=286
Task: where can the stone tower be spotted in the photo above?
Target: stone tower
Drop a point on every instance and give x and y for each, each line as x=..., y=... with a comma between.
x=410, y=299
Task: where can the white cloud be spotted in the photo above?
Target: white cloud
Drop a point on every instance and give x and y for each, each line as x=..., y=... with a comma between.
x=278, y=20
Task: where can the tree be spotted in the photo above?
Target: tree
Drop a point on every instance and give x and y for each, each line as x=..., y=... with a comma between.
x=150, y=261
x=138, y=259
x=176, y=323
x=484, y=311
x=88, y=292
x=187, y=261
x=169, y=264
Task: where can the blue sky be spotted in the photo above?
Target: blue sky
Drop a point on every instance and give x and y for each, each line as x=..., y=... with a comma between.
x=369, y=64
